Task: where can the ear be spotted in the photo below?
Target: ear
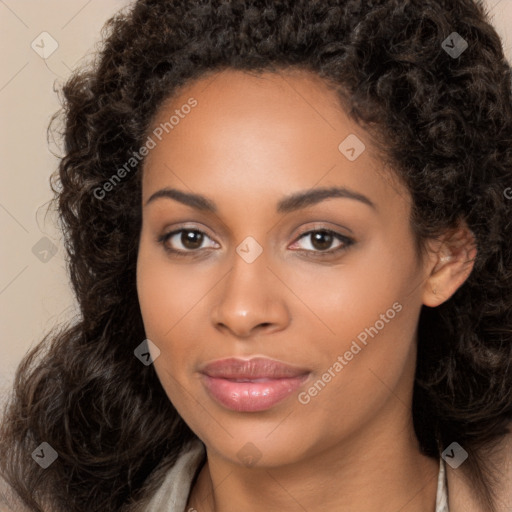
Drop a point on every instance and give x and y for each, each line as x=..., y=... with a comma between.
x=450, y=262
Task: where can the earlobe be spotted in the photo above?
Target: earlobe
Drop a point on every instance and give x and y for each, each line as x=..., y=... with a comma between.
x=450, y=265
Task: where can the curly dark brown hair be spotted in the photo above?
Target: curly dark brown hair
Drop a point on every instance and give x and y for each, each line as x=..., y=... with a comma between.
x=444, y=122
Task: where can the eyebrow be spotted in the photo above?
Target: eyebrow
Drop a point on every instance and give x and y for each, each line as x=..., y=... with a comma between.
x=290, y=203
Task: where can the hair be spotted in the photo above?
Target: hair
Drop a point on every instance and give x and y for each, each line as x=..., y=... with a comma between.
x=444, y=123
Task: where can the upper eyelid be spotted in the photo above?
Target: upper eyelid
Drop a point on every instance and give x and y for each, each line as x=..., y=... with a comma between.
x=317, y=226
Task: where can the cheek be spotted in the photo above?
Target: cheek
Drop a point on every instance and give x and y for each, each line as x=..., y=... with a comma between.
x=162, y=305
x=152, y=299
x=344, y=299
x=166, y=291
x=171, y=299
x=366, y=311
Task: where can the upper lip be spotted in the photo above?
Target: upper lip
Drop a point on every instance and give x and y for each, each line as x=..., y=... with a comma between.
x=255, y=368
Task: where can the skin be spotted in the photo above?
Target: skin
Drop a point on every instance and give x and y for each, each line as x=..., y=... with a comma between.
x=249, y=142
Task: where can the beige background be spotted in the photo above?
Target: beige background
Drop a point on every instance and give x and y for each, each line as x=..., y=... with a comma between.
x=34, y=290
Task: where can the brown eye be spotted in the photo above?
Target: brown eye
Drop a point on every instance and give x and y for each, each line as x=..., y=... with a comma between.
x=184, y=241
x=321, y=240
x=191, y=239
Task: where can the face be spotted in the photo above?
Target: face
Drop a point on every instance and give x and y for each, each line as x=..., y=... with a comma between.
x=328, y=285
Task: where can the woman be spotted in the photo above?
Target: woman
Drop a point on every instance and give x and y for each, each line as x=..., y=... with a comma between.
x=290, y=238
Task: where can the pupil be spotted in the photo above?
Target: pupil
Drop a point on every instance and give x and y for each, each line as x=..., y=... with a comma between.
x=327, y=237
x=191, y=239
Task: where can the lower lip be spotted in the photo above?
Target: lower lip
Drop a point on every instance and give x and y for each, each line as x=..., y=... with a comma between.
x=251, y=396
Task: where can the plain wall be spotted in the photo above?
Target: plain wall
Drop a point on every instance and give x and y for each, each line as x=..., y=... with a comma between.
x=34, y=290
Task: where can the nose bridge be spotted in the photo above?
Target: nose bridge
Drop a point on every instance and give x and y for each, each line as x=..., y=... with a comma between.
x=250, y=297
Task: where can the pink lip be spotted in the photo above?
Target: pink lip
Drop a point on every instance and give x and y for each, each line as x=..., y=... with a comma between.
x=251, y=385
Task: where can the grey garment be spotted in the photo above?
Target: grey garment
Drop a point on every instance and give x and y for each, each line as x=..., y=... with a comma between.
x=172, y=496
x=442, y=489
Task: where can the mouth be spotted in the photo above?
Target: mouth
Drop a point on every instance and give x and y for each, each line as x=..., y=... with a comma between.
x=251, y=385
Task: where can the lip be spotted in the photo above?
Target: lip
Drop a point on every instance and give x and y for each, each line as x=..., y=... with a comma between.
x=254, y=368
x=251, y=385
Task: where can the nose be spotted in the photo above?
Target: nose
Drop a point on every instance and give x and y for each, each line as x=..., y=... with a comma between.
x=251, y=300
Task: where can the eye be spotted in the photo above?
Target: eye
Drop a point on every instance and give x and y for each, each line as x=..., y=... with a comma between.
x=322, y=239
x=190, y=239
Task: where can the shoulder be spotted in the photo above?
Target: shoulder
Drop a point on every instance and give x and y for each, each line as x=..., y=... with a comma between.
x=462, y=496
x=178, y=481
x=174, y=489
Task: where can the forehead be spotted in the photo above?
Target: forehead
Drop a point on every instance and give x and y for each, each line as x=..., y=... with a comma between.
x=247, y=131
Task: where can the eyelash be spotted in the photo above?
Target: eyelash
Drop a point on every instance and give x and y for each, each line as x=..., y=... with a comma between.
x=346, y=242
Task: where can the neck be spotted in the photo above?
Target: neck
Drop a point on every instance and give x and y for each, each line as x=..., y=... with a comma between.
x=376, y=469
